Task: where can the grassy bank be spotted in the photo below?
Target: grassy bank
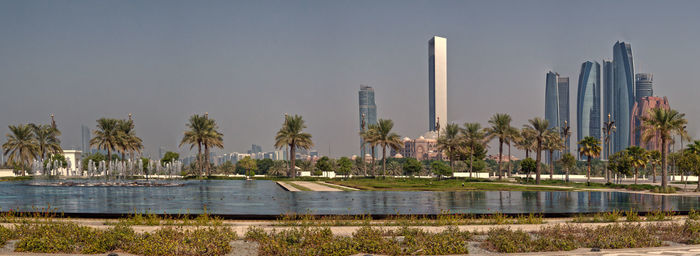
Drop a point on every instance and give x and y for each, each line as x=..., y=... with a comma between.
x=417, y=184
x=594, y=185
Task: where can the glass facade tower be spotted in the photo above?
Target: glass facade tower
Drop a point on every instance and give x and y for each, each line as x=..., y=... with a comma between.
x=437, y=82
x=551, y=103
x=623, y=94
x=607, y=99
x=588, y=102
x=564, y=117
x=643, y=83
x=368, y=111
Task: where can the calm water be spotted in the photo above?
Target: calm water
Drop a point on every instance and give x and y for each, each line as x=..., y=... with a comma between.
x=260, y=197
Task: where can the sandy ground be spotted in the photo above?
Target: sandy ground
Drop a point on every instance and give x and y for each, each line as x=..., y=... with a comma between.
x=315, y=186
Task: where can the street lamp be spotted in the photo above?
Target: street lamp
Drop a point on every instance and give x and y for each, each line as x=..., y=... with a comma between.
x=608, y=129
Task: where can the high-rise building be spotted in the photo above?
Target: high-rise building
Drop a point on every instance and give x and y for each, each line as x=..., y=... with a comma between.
x=551, y=97
x=437, y=82
x=641, y=110
x=564, y=117
x=643, y=85
x=588, y=101
x=623, y=94
x=85, y=139
x=608, y=100
x=368, y=111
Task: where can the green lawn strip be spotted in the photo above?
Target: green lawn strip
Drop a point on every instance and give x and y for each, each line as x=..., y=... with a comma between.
x=299, y=187
x=415, y=184
x=595, y=185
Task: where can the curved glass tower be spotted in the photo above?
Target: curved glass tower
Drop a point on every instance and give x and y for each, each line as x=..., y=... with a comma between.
x=588, y=101
x=368, y=110
x=623, y=94
x=551, y=103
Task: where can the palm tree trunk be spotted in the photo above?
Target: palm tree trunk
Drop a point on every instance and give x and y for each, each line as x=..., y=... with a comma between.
x=471, y=163
x=537, y=166
x=653, y=171
x=384, y=160
x=510, y=162
x=636, y=171
x=199, y=159
x=500, y=156
x=109, y=156
x=551, y=164
x=372, y=163
x=664, y=173
x=588, y=176
x=292, y=157
x=206, y=159
x=527, y=153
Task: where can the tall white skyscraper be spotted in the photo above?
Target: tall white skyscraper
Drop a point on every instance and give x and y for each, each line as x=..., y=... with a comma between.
x=437, y=81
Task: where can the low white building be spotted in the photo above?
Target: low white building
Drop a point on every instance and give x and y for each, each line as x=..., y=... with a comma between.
x=73, y=158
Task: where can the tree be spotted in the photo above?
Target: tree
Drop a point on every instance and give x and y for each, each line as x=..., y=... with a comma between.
x=412, y=166
x=305, y=165
x=527, y=140
x=371, y=137
x=512, y=137
x=47, y=139
x=386, y=138
x=590, y=148
x=344, y=166
x=264, y=165
x=279, y=168
x=690, y=161
x=620, y=162
x=291, y=134
x=226, y=168
x=552, y=142
x=394, y=168
x=474, y=137
x=539, y=128
x=96, y=158
x=500, y=129
x=450, y=142
x=21, y=147
x=195, y=133
x=663, y=124
x=54, y=159
x=440, y=169
x=324, y=165
x=212, y=139
x=568, y=162
x=249, y=165
x=106, y=136
x=528, y=165
x=654, y=161
x=639, y=158
x=169, y=157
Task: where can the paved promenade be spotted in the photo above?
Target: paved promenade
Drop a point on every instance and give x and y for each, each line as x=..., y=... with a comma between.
x=313, y=186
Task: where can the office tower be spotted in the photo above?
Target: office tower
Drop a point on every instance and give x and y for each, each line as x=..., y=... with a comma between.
x=551, y=104
x=85, y=139
x=437, y=82
x=161, y=152
x=588, y=101
x=642, y=109
x=623, y=94
x=643, y=85
x=368, y=111
x=608, y=100
x=564, y=120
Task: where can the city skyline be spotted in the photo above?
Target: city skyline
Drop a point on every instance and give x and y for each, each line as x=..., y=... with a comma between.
x=163, y=67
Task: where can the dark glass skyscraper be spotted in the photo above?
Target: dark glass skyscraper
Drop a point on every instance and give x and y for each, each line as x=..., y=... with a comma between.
x=623, y=94
x=368, y=110
x=551, y=100
x=564, y=117
x=643, y=83
x=85, y=139
x=588, y=101
x=608, y=99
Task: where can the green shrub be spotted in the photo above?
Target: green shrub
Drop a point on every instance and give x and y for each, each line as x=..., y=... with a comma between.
x=658, y=215
x=632, y=216
x=693, y=214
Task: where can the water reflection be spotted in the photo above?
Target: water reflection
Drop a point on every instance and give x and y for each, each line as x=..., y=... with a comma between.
x=267, y=198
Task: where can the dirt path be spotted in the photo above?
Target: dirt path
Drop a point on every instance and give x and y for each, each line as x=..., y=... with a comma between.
x=288, y=187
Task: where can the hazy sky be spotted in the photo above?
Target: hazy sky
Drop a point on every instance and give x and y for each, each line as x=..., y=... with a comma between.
x=249, y=62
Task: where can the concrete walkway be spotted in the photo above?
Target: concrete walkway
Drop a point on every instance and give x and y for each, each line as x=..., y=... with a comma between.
x=315, y=186
x=287, y=187
x=340, y=186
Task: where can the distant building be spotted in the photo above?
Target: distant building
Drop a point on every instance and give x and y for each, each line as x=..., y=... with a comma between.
x=422, y=148
x=588, y=101
x=552, y=107
x=368, y=111
x=73, y=158
x=437, y=82
x=642, y=109
x=608, y=99
x=254, y=149
x=85, y=139
x=564, y=117
x=643, y=83
x=623, y=94
x=161, y=152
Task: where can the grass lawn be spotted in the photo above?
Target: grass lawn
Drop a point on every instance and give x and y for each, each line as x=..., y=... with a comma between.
x=594, y=185
x=417, y=184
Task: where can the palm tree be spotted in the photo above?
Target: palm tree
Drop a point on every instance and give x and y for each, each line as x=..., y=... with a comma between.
x=212, y=139
x=568, y=162
x=107, y=136
x=21, y=146
x=527, y=141
x=195, y=133
x=552, y=142
x=291, y=134
x=450, y=142
x=539, y=126
x=129, y=142
x=387, y=138
x=474, y=136
x=654, y=160
x=500, y=128
x=590, y=148
x=370, y=136
x=639, y=157
x=664, y=124
x=512, y=137
x=47, y=139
